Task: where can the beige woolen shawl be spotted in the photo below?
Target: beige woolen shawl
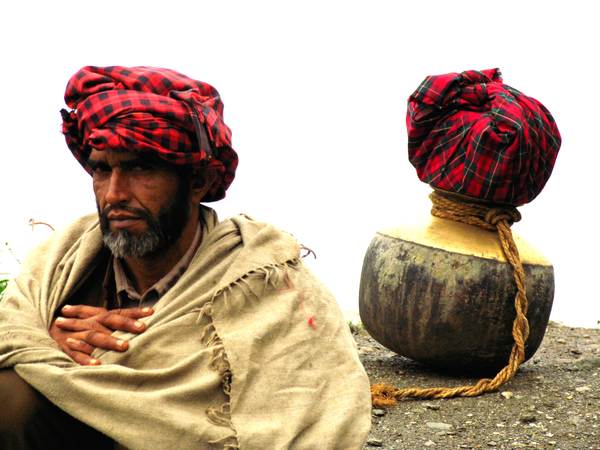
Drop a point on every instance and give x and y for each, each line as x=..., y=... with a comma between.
x=230, y=358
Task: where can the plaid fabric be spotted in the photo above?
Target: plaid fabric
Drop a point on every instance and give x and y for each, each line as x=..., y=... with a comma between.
x=149, y=109
x=471, y=134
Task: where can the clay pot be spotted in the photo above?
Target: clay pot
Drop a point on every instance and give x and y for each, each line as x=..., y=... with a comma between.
x=442, y=293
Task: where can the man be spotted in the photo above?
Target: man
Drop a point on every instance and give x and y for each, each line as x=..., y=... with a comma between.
x=153, y=325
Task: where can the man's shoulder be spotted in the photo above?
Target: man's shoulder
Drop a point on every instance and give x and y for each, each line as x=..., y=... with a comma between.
x=248, y=246
x=256, y=234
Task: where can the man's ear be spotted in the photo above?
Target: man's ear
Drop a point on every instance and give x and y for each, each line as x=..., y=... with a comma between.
x=202, y=180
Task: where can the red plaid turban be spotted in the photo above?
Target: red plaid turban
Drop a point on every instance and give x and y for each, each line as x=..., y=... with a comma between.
x=471, y=134
x=149, y=109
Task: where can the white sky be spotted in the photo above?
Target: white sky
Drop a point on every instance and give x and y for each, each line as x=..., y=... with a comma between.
x=315, y=93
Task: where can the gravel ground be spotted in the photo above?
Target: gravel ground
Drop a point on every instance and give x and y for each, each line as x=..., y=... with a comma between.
x=552, y=403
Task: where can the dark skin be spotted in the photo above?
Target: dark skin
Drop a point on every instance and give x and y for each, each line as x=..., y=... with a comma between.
x=84, y=328
x=128, y=179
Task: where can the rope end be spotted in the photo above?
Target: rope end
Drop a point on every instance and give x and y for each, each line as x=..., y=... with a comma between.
x=383, y=396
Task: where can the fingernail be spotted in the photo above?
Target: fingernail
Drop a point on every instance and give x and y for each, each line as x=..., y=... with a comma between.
x=94, y=362
x=67, y=307
x=71, y=341
x=120, y=343
x=146, y=310
x=138, y=324
x=60, y=320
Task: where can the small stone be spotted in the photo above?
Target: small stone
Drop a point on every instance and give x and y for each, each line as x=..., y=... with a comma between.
x=575, y=420
x=527, y=417
x=438, y=425
x=446, y=433
x=576, y=351
x=375, y=443
x=507, y=395
x=429, y=443
x=561, y=341
x=591, y=363
x=492, y=444
x=379, y=412
x=583, y=389
x=432, y=407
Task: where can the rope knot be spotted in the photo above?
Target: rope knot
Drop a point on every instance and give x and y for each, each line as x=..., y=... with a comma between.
x=495, y=215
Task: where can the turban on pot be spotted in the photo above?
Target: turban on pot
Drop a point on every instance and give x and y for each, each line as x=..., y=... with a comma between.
x=147, y=109
x=471, y=134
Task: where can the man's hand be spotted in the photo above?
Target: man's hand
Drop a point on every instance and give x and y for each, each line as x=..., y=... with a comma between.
x=85, y=328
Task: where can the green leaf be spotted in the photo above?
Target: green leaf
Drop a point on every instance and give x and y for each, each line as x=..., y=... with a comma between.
x=3, y=284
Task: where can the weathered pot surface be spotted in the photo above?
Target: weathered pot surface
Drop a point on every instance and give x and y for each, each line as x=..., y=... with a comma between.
x=442, y=293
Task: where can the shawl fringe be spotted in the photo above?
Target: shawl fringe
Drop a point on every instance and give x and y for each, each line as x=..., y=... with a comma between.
x=273, y=277
x=220, y=363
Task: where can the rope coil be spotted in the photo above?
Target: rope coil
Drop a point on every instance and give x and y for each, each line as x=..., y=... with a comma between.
x=494, y=219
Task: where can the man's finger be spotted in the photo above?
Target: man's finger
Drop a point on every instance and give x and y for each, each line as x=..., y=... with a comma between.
x=79, y=346
x=115, y=320
x=87, y=341
x=82, y=358
x=121, y=320
x=82, y=311
x=70, y=324
x=134, y=313
x=98, y=339
x=86, y=312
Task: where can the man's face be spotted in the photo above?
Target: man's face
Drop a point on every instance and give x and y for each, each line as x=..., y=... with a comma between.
x=143, y=203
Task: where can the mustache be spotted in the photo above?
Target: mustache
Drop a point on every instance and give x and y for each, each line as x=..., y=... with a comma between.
x=127, y=209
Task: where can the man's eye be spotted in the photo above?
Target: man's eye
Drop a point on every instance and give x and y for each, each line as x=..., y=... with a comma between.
x=141, y=168
x=99, y=170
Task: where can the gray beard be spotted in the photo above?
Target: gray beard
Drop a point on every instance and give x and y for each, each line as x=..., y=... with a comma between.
x=124, y=245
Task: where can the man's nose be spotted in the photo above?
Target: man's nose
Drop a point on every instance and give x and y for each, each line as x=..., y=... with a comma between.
x=118, y=188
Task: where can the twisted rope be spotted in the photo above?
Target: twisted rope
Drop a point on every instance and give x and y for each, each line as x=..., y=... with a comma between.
x=495, y=219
